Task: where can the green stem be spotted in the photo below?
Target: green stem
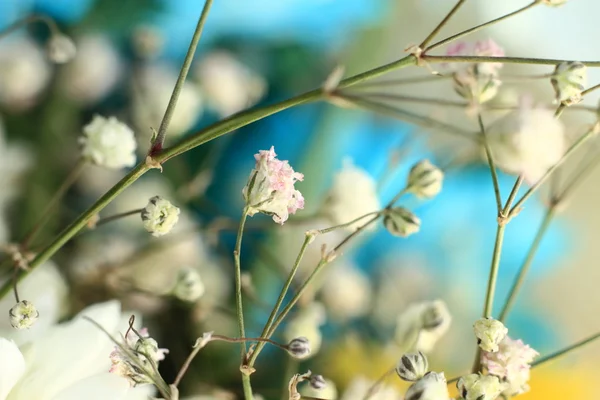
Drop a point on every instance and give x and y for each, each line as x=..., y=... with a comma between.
x=490, y=159
x=491, y=288
x=506, y=60
x=439, y=27
x=28, y=20
x=187, y=63
x=238, y=280
x=511, y=197
x=518, y=283
x=478, y=27
x=115, y=217
x=248, y=395
x=566, y=350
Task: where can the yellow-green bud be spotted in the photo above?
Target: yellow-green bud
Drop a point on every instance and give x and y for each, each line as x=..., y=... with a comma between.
x=425, y=179
x=489, y=332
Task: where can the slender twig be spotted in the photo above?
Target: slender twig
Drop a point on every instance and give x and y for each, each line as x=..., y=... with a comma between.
x=439, y=27
x=159, y=141
x=490, y=159
x=238, y=279
x=511, y=197
x=566, y=350
x=373, y=389
x=115, y=217
x=481, y=26
x=491, y=288
x=49, y=22
x=15, y=289
x=505, y=60
x=403, y=81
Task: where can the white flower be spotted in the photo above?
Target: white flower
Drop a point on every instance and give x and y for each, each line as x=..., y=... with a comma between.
x=229, y=85
x=61, y=48
x=569, y=80
x=270, y=188
x=359, y=387
x=511, y=363
x=159, y=216
x=306, y=323
x=479, y=387
x=430, y=387
x=489, y=332
x=421, y=325
x=79, y=350
x=425, y=179
x=527, y=141
x=23, y=315
x=352, y=195
x=94, y=71
x=412, y=366
x=346, y=292
x=109, y=143
x=401, y=222
x=189, y=286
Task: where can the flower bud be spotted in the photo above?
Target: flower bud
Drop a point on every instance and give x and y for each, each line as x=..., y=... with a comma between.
x=148, y=347
x=489, y=332
x=23, y=315
x=317, y=382
x=189, y=286
x=159, y=216
x=569, y=79
x=299, y=347
x=401, y=222
x=475, y=86
x=61, y=48
x=425, y=179
x=479, y=387
x=432, y=386
x=412, y=366
x=435, y=315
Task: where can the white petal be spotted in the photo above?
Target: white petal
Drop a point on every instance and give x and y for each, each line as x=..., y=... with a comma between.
x=12, y=366
x=98, y=387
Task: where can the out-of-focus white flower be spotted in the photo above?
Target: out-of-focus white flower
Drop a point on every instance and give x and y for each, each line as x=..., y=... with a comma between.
x=94, y=71
x=189, y=286
x=425, y=179
x=82, y=352
x=527, y=141
x=270, y=188
x=306, y=323
x=23, y=315
x=401, y=222
x=352, y=195
x=421, y=325
x=568, y=80
x=360, y=386
x=229, y=86
x=478, y=82
x=24, y=72
x=147, y=41
x=328, y=392
x=159, y=216
x=346, y=292
x=479, y=387
x=489, y=332
x=430, y=387
x=511, y=363
x=151, y=93
x=108, y=142
x=61, y=48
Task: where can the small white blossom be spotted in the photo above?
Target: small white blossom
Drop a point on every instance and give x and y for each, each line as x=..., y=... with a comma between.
x=352, y=195
x=489, y=332
x=23, y=315
x=189, y=286
x=425, y=179
x=421, y=325
x=108, y=142
x=527, y=141
x=401, y=222
x=270, y=188
x=569, y=80
x=159, y=216
x=479, y=387
x=430, y=387
x=346, y=292
x=61, y=48
x=412, y=366
x=511, y=363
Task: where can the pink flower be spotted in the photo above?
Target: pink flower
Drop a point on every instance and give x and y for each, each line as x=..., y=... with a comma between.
x=270, y=188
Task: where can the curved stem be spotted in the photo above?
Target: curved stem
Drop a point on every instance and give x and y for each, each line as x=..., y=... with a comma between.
x=29, y=20
x=507, y=60
x=566, y=350
x=490, y=159
x=238, y=279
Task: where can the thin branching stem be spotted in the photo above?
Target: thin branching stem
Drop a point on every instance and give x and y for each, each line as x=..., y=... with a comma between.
x=490, y=159
x=439, y=27
x=566, y=350
x=505, y=60
x=106, y=220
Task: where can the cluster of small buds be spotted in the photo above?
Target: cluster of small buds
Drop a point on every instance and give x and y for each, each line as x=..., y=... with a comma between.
x=299, y=347
x=188, y=286
x=568, y=80
x=421, y=325
x=489, y=332
x=480, y=82
x=479, y=387
x=412, y=366
x=401, y=222
x=137, y=350
x=432, y=386
x=270, y=188
x=61, y=48
x=159, y=216
x=425, y=179
x=109, y=143
x=23, y=315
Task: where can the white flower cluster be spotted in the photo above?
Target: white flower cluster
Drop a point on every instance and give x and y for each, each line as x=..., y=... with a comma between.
x=109, y=143
x=489, y=332
x=159, y=216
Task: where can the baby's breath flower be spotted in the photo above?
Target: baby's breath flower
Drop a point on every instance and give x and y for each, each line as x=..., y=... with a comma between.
x=527, y=141
x=412, y=366
x=318, y=382
x=569, y=80
x=425, y=179
x=23, y=315
x=511, y=363
x=430, y=387
x=270, y=188
x=189, y=286
x=479, y=387
x=159, y=216
x=61, y=48
x=401, y=222
x=489, y=332
x=421, y=325
x=299, y=347
x=108, y=143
